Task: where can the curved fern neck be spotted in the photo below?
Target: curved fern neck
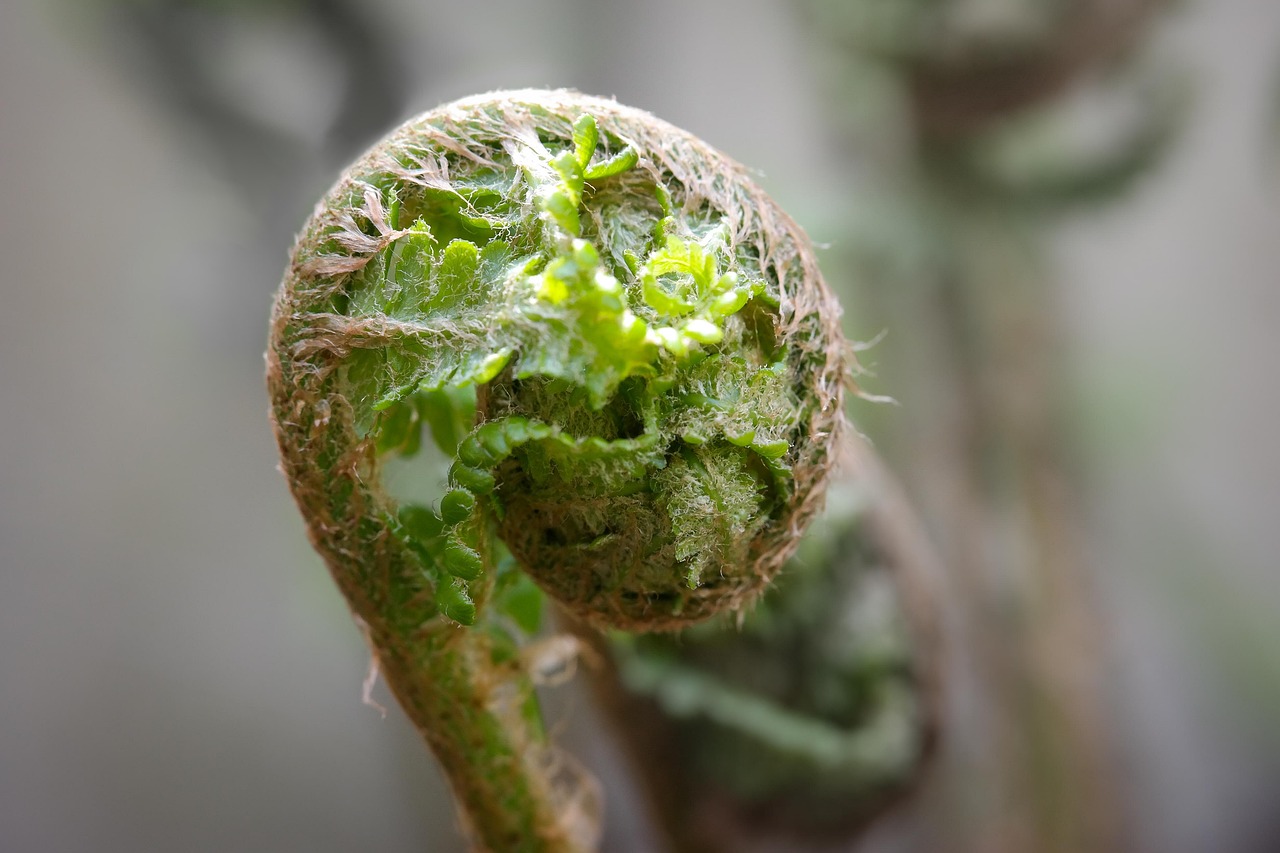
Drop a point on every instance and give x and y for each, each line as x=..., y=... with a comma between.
x=461, y=687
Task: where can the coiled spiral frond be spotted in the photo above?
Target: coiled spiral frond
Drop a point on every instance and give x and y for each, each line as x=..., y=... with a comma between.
x=623, y=345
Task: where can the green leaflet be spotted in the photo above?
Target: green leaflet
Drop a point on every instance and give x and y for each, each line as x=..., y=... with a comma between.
x=454, y=279
x=426, y=318
x=585, y=137
x=615, y=165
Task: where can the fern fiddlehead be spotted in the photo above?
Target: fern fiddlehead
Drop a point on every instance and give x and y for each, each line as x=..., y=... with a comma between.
x=627, y=359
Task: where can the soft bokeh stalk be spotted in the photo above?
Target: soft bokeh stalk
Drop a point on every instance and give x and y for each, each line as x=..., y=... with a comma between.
x=972, y=352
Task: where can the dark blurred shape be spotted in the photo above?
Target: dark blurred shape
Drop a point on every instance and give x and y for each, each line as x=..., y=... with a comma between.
x=967, y=63
x=330, y=76
x=1068, y=156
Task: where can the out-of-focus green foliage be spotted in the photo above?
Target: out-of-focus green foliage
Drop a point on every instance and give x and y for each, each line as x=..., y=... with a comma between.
x=808, y=709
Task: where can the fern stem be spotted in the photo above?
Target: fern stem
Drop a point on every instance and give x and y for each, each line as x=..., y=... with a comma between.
x=495, y=762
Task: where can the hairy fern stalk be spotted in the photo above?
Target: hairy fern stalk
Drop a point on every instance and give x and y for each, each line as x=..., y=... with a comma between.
x=625, y=357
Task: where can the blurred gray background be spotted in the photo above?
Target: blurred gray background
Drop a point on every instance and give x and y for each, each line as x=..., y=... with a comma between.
x=176, y=670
